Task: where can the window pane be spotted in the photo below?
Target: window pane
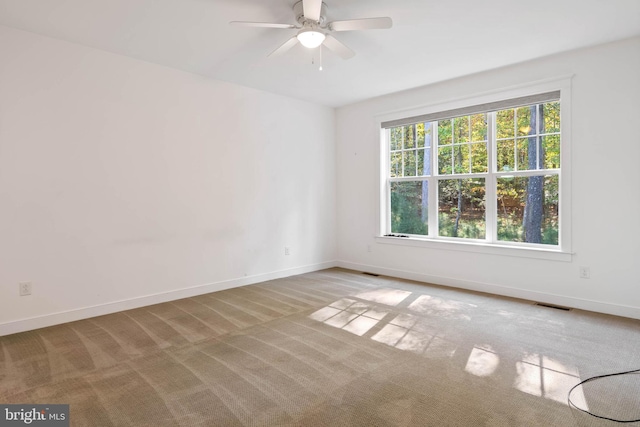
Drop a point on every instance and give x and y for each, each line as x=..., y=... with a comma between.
x=479, y=158
x=551, y=145
x=461, y=129
x=424, y=162
x=409, y=136
x=506, y=155
x=461, y=158
x=461, y=208
x=396, y=164
x=523, y=155
x=479, y=128
x=551, y=114
x=395, y=138
x=427, y=137
x=523, y=115
x=409, y=207
x=504, y=123
x=410, y=163
x=532, y=152
x=528, y=209
x=444, y=160
x=420, y=135
x=444, y=132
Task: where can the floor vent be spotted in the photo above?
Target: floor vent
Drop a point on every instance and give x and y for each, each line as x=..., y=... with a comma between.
x=557, y=307
x=370, y=274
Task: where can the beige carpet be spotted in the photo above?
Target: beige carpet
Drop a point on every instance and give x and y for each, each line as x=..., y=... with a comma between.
x=330, y=348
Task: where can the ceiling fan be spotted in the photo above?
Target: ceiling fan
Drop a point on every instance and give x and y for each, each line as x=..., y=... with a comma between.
x=313, y=30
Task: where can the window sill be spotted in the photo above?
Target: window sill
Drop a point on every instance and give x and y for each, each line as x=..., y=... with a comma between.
x=478, y=247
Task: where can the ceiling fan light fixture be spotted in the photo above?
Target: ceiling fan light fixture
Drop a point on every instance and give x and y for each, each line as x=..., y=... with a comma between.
x=310, y=38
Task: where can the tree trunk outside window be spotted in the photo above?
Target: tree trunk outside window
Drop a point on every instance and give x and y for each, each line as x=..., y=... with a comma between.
x=534, y=205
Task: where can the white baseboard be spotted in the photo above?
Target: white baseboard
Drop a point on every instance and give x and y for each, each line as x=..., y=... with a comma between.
x=560, y=300
x=32, y=323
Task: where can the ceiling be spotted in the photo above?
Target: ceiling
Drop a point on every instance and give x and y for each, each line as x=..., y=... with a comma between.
x=430, y=41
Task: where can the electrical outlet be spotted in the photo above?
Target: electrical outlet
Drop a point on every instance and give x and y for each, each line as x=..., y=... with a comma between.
x=24, y=288
x=368, y=248
x=584, y=272
x=287, y=251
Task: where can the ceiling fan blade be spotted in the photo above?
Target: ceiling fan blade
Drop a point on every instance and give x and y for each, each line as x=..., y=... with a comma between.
x=338, y=47
x=361, y=24
x=261, y=24
x=311, y=9
x=285, y=46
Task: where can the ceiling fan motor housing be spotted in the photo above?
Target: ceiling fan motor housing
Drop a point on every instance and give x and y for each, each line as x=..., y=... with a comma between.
x=297, y=9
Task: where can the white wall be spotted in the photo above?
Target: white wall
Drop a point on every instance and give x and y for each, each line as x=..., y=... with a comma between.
x=605, y=180
x=124, y=183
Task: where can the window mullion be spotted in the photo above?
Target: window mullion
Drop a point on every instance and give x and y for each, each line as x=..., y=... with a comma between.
x=387, y=185
x=469, y=145
x=402, y=150
x=491, y=183
x=433, y=182
x=453, y=147
x=539, y=136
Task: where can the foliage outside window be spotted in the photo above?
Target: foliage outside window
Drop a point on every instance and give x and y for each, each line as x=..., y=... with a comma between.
x=490, y=176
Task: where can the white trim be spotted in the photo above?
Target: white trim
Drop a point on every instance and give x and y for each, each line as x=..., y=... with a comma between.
x=566, y=161
x=515, y=91
x=561, y=300
x=479, y=246
x=37, y=322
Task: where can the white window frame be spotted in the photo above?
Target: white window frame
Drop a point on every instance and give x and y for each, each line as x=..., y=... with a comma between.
x=561, y=252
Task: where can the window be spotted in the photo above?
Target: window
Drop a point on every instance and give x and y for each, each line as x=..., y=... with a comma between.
x=489, y=173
